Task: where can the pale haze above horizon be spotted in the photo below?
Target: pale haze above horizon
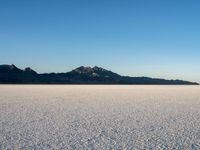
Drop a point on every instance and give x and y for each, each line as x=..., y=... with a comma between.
x=132, y=37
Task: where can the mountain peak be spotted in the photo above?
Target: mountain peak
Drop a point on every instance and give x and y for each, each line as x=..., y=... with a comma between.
x=83, y=69
x=94, y=72
x=29, y=70
x=88, y=69
x=9, y=68
x=96, y=68
x=12, y=67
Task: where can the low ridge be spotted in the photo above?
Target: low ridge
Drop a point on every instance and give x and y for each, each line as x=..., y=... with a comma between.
x=10, y=74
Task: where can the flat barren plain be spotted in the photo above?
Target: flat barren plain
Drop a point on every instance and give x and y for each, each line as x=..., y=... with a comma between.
x=99, y=117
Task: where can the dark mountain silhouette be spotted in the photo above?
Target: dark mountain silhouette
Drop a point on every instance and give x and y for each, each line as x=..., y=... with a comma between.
x=10, y=74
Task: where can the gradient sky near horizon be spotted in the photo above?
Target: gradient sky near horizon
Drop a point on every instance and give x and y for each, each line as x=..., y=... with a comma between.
x=156, y=38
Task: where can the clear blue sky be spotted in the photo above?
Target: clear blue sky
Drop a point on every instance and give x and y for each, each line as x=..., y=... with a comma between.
x=156, y=38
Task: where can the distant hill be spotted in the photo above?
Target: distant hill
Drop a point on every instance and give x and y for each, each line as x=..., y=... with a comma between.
x=10, y=74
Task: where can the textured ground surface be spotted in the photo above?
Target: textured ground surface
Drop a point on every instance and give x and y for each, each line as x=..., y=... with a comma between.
x=99, y=117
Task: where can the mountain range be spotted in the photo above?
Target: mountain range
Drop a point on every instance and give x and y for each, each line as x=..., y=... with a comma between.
x=10, y=74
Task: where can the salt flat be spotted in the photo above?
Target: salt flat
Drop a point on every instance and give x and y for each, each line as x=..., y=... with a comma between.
x=99, y=117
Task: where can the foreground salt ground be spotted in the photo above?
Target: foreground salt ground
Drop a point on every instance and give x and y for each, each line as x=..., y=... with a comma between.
x=99, y=117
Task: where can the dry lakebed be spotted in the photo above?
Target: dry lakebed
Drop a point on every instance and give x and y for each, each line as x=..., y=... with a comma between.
x=99, y=117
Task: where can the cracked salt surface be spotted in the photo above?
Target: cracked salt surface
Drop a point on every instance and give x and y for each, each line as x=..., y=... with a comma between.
x=99, y=117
